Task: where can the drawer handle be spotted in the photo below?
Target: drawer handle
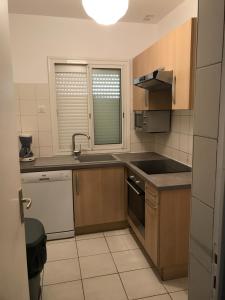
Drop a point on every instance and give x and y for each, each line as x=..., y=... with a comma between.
x=77, y=183
x=174, y=90
x=130, y=185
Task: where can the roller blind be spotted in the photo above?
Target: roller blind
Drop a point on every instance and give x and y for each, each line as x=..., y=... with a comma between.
x=72, y=104
x=106, y=90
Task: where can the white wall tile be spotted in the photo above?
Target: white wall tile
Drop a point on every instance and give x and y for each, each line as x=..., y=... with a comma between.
x=17, y=107
x=36, y=151
x=18, y=120
x=26, y=91
x=43, y=104
x=28, y=107
x=44, y=122
x=178, y=144
x=45, y=138
x=204, y=169
x=184, y=124
x=184, y=142
x=46, y=151
x=210, y=32
x=207, y=101
x=29, y=123
x=42, y=90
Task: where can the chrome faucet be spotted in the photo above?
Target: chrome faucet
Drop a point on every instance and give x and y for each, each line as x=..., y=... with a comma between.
x=77, y=153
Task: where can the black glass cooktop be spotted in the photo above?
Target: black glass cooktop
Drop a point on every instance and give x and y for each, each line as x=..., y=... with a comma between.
x=161, y=166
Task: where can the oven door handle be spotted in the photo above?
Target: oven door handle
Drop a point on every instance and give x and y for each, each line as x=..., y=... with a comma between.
x=136, y=191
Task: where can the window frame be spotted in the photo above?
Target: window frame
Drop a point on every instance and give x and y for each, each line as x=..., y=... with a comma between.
x=124, y=66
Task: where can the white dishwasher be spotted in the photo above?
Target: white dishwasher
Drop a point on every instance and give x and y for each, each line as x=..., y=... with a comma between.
x=52, y=201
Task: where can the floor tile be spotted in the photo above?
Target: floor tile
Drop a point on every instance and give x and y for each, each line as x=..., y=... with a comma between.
x=130, y=260
x=89, y=236
x=182, y=295
x=92, y=247
x=117, y=232
x=104, y=287
x=61, y=271
x=159, y=297
x=176, y=285
x=142, y=283
x=97, y=265
x=121, y=243
x=61, y=241
x=63, y=291
x=64, y=250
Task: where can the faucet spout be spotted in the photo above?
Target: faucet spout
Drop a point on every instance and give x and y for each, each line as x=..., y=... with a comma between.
x=77, y=153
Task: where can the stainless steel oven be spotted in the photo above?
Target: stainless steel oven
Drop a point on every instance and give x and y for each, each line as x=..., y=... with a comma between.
x=136, y=201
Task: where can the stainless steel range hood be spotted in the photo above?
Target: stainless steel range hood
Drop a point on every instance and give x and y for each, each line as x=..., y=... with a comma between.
x=157, y=81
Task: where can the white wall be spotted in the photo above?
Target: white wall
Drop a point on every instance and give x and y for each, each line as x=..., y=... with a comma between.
x=178, y=16
x=34, y=38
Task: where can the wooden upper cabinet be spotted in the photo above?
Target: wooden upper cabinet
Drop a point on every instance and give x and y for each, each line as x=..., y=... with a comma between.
x=184, y=65
x=175, y=51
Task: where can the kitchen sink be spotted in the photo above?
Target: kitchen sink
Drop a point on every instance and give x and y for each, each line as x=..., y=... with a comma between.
x=161, y=166
x=96, y=157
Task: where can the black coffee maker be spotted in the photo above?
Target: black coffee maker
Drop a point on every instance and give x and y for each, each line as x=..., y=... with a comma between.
x=25, y=151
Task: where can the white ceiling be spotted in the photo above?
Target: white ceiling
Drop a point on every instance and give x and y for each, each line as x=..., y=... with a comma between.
x=154, y=10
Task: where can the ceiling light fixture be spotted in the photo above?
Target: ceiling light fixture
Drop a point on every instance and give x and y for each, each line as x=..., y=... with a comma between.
x=105, y=12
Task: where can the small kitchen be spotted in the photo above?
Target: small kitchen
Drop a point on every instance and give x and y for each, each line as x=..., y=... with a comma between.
x=105, y=140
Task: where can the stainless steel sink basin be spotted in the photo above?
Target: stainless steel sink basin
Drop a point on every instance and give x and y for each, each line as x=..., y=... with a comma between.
x=161, y=166
x=96, y=158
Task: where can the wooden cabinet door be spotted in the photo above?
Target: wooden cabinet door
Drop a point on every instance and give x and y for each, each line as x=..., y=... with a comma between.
x=99, y=196
x=185, y=44
x=174, y=227
x=152, y=224
x=88, y=206
x=113, y=194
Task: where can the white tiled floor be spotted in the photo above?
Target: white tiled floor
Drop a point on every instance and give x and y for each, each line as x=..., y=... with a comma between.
x=107, y=265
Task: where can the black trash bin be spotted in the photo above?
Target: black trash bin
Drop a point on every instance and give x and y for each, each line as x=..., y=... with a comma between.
x=36, y=254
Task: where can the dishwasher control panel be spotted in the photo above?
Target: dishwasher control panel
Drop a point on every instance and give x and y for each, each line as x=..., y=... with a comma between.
x=46, y=176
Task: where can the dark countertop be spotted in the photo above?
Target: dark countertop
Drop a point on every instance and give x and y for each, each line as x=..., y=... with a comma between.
x=62, y=162
x=160, y=181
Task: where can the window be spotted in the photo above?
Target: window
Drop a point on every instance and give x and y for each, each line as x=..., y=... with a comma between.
x=106, y=91
x=88, y=98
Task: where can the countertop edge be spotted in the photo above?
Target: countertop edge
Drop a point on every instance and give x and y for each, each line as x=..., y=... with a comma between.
x=117, y=162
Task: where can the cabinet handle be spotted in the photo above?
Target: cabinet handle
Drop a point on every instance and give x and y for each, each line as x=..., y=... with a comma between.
x=77, y=183
x=174, y=89
x=130, y=185
x=147, y=99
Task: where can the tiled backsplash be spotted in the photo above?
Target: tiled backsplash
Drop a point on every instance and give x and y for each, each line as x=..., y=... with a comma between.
x=178, y=143
x=140, y=141
x=33, y=116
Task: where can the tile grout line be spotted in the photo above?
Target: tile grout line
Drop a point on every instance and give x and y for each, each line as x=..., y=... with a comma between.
x=151, y=296
x=61, y=282
x=80, y=269
x=103, y=236
x=111, y=254
x=117, y=270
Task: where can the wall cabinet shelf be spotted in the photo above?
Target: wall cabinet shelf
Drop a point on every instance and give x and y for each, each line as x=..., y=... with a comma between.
x=175, y=51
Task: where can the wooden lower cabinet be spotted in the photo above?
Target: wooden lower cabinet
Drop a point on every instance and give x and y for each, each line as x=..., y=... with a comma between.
x=167, y=218
x=99, y=196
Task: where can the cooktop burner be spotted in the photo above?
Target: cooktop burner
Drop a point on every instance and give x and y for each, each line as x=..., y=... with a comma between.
x=161, y=166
